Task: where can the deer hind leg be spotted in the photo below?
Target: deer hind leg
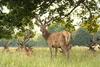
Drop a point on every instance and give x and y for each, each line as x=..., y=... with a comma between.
x=66, y=51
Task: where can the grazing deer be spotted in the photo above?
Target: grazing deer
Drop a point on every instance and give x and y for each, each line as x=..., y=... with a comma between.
x=57, y=39
x=5, y=45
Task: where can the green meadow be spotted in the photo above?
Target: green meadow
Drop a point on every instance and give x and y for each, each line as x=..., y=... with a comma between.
x=79, y=57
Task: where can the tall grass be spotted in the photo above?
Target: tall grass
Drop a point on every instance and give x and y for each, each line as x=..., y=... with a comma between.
x=79, y=57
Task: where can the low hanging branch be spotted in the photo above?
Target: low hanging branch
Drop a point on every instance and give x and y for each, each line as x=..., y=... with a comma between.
x=77, y=4
x=88, y=9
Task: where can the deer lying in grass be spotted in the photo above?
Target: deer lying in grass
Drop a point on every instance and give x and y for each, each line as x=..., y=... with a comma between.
x=5, y=45
x=57, y=39
x=91, y=46
x=28, y=50
x=97, y=41
x=26, y=38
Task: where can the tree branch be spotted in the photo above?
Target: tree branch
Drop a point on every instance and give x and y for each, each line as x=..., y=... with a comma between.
x=77, y=4
x=88, y=9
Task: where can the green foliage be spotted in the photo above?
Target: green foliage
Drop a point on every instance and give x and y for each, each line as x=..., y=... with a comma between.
x=23, y=11
x=55, y=28
x=40, y=41
x=20, y=15
x=69, y=27
x=81, y=37
x=97, y=34
x=5, y=32
x=21, y=33
x=91, y=25
x=66, y=23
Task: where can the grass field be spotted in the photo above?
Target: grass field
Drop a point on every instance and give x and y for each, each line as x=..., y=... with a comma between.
x=79, y=57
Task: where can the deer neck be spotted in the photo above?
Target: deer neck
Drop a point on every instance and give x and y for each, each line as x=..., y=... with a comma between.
x=46, y=34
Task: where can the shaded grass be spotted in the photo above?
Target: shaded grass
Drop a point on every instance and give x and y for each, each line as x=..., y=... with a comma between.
x=79, y=57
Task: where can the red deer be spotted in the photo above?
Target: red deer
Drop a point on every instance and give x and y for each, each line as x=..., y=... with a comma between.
x=5, y=45
x=27, y=36
x=96, y=40
x=28, y=50
x=57, y=39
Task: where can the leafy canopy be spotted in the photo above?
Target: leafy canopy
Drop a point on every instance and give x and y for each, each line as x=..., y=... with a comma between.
x=23, y=11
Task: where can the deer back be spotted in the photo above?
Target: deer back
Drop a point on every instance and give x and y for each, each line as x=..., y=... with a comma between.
x=56, y=39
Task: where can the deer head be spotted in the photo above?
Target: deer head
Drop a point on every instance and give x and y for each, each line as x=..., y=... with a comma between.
x=41, y=25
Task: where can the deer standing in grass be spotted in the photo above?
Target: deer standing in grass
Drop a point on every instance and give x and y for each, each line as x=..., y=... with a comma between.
x=57, y=39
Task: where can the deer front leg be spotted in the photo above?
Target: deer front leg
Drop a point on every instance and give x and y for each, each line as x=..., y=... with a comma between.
x=56, y=51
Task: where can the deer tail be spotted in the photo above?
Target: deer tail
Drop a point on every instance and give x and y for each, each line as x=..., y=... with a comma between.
x=68, y=38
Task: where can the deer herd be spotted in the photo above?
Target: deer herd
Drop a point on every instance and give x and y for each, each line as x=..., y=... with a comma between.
x=54, y=40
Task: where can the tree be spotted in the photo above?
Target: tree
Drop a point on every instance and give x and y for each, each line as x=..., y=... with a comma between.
x=22, y=12
x=55, y=28
x=91, y=24
x=66, y=23
x=81, y=37
x=97, y=34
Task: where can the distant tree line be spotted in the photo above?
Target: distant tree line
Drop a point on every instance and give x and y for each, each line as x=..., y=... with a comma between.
x=80, y=37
